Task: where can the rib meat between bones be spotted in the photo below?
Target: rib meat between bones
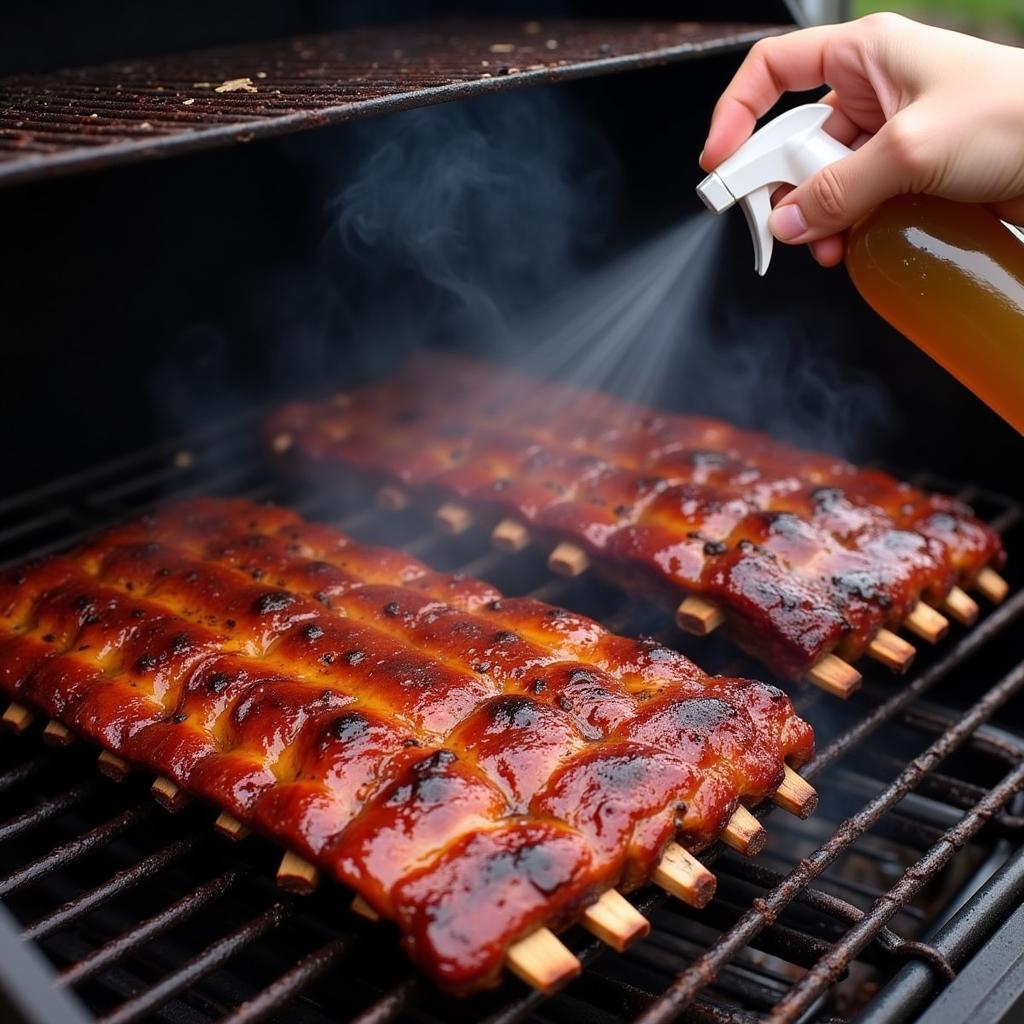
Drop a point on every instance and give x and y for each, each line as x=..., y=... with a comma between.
x=804, y=553
x=474, y=766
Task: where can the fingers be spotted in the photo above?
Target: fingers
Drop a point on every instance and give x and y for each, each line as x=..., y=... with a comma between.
x=839, y=125
x=840, y=194
x=773, y=66
x=829, y=252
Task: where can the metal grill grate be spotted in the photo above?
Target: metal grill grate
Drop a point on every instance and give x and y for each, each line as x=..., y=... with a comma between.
x=145, y=915
x=133, y=110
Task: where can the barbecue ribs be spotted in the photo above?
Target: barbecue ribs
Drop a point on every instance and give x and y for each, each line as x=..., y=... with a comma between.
x=474, y=766
x=804, y=554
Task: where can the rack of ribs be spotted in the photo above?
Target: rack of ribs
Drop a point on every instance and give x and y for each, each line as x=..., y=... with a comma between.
x=480, y=770
x=809, y=561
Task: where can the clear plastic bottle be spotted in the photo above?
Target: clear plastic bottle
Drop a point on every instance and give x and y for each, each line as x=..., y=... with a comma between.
x=950, y=277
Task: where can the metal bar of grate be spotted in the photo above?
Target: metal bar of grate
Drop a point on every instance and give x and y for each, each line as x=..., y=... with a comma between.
x=291, y=983
x=68, y=852
x=93, y=117
x=169, y=917
x=123, y=880
x=191, y=971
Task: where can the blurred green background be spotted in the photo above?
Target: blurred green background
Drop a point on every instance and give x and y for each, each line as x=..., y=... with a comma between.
x=995, y=19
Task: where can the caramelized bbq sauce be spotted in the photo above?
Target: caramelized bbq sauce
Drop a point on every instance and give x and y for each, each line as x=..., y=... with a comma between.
x=473, y=766
x=805, y=553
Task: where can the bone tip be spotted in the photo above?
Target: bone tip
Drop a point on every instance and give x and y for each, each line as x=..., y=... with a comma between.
x=453, y=519
x=168, y=794
x=991, y=585
x=112, y=766
x=391, y=499
x=698, y=617
x=615, y=921
x=17, y=718
x=510, y=536
x=927, y=623
x=961, y=606
x=57, y=734
x=568, y=560
x=297, y=875
x=835, y=676
x=543, y=961
x=228, y=825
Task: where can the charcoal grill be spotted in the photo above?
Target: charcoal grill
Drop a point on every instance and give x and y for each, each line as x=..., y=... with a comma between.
x=144, y=915
x=897, y=901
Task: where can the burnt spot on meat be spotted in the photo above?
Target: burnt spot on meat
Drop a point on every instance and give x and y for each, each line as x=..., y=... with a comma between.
x=49, y=638
x=504, y=636
x=273, y=601
x=864, y=585
x=257, y=574
x=514, y=713
x=180, y=643
x=192, y=576
x=410, y=742
x=83, y=602
x=163, y=572
x=348, y=727
x=313, y=631
x=942, y=522
x=785, y=524
x=495, y=605
x=230, y=623
x=701, y=459
x=327, y=659
x=539, y=686
x=146, y=663
x=436, y=762
x=827, y=499
x=354, y=657
x=715, y=547
x=217, y=683
x=392, y=608
x=318, y=568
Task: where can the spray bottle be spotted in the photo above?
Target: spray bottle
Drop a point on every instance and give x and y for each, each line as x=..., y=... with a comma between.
x=949, y=276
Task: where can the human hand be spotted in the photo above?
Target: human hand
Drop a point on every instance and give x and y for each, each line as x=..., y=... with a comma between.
x=926, y=110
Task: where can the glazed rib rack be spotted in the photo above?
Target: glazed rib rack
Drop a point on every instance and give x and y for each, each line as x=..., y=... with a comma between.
x=145, y=913
x=809, y=561
x=474, y=766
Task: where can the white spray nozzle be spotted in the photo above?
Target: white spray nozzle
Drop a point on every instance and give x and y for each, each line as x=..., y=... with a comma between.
x=786, y=151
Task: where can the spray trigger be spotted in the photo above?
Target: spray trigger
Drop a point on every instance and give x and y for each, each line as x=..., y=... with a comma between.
x=787, y=150
x=757, y=206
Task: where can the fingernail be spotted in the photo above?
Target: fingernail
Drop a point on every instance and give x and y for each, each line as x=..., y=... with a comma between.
x=787, y=222
x=700, y=159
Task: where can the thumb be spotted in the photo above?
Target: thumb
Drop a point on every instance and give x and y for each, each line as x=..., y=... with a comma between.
x=841, y=193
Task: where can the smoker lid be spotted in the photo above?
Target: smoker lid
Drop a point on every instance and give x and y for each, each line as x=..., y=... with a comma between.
x=93, y=117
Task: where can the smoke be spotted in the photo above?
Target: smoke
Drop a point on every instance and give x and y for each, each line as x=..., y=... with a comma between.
x=457, y=217
x=490, y=227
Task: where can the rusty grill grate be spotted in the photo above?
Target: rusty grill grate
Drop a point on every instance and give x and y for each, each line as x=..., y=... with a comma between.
x=86, y=118
x=144, y=915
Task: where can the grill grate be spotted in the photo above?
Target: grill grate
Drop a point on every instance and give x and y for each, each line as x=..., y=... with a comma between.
x=145, y=915
x=134, y=110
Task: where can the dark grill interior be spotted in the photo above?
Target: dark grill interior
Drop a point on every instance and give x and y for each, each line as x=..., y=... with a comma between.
x=132, y=110
x=900, y=876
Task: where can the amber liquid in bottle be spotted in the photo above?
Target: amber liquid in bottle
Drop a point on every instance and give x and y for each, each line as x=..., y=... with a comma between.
x=950, y=277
